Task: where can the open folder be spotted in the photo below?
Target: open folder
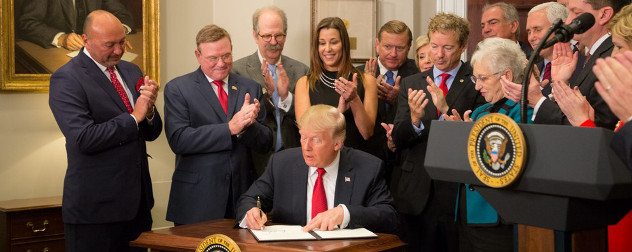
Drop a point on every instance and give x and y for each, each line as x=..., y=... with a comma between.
x=294, y=233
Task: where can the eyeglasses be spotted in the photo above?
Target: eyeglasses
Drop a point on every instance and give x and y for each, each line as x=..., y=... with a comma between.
x=225, y=58
x=482, y=78
x=268, y=37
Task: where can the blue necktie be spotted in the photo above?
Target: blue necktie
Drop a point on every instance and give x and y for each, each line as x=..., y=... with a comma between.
x=389, y=78
x=391, y=81
x=275, y=100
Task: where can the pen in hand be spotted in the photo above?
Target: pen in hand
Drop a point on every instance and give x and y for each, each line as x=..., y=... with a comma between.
x=259, y=207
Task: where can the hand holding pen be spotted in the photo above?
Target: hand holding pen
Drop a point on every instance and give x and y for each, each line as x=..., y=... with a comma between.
x=255, y=217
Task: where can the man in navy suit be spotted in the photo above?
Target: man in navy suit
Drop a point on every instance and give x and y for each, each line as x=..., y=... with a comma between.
x=213, y=121
x=322, y=184
x=105, y=109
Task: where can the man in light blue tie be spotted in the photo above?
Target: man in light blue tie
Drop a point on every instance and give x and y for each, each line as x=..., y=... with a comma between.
x=277, y=75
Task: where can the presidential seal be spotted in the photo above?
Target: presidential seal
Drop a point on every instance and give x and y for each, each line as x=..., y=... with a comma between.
x=496, y=150
x=218, y=243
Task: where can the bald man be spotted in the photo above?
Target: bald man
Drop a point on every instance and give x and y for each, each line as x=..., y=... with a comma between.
x=105, y=109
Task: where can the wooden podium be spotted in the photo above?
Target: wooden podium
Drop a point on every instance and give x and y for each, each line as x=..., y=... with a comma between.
x=188, y=237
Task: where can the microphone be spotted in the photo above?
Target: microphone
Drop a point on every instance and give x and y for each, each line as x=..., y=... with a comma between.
x=579, y=25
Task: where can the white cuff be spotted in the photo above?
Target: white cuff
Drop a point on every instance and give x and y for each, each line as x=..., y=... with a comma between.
x=287, y=103
x=242, y=223
x=136, y=122
x=56, y=38
x=537, y=107
x=346, y=217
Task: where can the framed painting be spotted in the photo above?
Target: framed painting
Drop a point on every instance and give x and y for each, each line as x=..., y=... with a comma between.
x=360, y=17
x=39, y=36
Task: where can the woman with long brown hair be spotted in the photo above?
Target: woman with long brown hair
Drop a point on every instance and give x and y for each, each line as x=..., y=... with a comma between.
x=333, y=80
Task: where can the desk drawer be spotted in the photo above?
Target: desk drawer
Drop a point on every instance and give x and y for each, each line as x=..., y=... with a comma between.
x=35, y=223
x=44, y=246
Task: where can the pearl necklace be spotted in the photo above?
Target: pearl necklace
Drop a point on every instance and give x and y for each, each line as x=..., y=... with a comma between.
x=327, y=81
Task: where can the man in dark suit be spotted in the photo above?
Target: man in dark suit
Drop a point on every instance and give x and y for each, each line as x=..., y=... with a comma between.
x=427, y=206
x=392, y=64
x=59, y=23
x=501, y=20
x=599, y=44
x=323, y=184
x=107, y=189
x=277, y=76
x=213, y=121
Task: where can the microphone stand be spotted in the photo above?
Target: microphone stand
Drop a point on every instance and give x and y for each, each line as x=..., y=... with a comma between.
x=525, y=82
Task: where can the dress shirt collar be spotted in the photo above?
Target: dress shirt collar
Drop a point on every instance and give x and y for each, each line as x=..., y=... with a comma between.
x=331, y=168
x=102, y=67
x=598, y=43
x=383, y=69
x=436, y=72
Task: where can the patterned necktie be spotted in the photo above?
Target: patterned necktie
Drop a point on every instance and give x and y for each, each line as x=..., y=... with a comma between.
x=443, y=86
x=275, y=100
x=319, y=199
x=221, y=95
x=546, y=75
x=119, y=89
x=389, y=78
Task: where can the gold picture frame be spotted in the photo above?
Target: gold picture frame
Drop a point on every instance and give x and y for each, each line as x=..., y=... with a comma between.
x=360, y=17
x=36, y=78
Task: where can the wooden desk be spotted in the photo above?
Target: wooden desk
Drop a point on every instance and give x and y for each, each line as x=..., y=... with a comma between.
x=188, y=237
x=36, y=59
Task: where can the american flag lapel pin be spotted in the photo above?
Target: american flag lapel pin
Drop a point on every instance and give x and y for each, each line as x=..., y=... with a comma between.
x=233, y=87
x=347, y=179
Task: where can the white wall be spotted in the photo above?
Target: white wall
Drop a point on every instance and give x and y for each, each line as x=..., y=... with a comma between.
x=32, y=152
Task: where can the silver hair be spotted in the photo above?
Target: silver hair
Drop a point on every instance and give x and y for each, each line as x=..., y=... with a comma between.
x=501, y=54
x=258, y=12
x=510, y=13
x=554, y=10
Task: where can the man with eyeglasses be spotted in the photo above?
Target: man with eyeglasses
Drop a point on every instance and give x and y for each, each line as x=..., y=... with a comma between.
x=427, y=206
x=389, y=67
x=277, y=75
x=213, y=122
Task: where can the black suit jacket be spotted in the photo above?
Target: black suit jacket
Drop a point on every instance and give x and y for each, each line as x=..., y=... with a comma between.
x=250, y=67
x=550, y=113
x=360, y=186
x=209, y=160
x=411, y=185
x=107, y=156
x=377, y=142
x=41, y=20
x=622, y=144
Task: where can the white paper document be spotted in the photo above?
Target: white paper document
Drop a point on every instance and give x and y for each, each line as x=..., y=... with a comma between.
x=294, y=233
x=282, y=233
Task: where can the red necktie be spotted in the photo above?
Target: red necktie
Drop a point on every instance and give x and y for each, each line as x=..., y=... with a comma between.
x=319, y=199
x=119, y=89
x=221, y=94
x=443, y=86
x=547, y=72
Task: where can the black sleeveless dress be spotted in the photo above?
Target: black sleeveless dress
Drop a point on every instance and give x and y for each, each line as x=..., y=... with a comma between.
x=322, y=94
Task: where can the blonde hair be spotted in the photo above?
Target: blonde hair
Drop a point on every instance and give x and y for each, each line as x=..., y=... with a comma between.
x=621, y=24
x=420, y=41
x=323, y=117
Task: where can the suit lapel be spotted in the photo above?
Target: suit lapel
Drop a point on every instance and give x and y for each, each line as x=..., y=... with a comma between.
x=458, y=85
x=602, y=51
x=94, y=72
x=209, y=95
x=299, y=178
x=234, y=96
x=345, y=179
x=131, y=84
x=254, y=68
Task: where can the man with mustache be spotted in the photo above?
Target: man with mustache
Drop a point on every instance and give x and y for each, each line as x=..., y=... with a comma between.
x=277, y=74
